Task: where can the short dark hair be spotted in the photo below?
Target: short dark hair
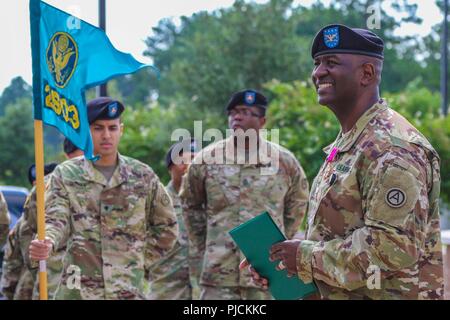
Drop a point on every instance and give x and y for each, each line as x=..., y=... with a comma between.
x=48, y=168
x=69, y=147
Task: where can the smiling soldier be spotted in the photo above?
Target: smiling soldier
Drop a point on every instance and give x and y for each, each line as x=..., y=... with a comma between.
x=374, y=203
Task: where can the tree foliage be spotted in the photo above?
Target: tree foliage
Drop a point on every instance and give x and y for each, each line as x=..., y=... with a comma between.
x=17, y=143
x=211, y=55
x=16, y=90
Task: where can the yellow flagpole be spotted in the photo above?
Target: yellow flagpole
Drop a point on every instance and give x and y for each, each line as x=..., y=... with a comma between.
x=40, y=188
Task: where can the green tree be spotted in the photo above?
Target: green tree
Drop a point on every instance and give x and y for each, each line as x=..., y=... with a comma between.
x=137, y=88
x=16, y=90
x=430, y=53
x=211, y=55
x=148, y=130
x=214, y=54
x=17, y=143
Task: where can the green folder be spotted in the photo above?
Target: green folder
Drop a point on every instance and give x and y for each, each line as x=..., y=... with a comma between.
x=254, y=238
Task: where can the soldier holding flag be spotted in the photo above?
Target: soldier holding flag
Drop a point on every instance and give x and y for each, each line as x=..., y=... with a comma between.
x=63, y=69
x=114, y=215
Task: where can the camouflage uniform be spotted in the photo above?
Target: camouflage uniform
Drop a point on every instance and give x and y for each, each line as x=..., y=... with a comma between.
x=170, y=276
x=114, y=230
x=20, y=276
x=17, y=280
x=4, y=220
x=218, y=197
x=29, y=232
x=375, y=208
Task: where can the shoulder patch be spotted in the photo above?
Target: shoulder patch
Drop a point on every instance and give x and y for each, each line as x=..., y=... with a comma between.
x=395, y=197
x=164, y=199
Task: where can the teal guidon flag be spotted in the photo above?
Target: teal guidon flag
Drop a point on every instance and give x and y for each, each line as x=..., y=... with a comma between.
x=70, y=56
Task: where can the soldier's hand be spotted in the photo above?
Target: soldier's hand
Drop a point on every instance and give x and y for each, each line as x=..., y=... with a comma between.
x=263, y=282
x=286, y=252
x=40, y=249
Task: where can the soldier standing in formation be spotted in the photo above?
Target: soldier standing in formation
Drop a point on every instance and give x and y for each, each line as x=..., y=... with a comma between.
x=170, y=276
x=229, y=183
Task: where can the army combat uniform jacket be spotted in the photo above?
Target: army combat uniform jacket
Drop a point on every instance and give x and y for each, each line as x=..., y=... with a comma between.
x=219, y=194
x=4, y=220
x=17, y=279
x=373, y=221
x=113, y=230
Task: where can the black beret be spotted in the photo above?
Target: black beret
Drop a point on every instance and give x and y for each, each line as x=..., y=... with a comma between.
x=338, y=38
x=190, y=145
x=48, y=168
x=69, y=147
x=104, y=108
x=249, y=97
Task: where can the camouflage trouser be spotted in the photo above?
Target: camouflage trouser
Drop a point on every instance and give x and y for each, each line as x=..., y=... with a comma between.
x=233, y=293
x=24, y=289
x=173, y=291
x=170, y=277
x=4, y=229
x=54, y=270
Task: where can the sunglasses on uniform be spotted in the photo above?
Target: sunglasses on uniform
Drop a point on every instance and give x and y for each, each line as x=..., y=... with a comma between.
x=243, y=112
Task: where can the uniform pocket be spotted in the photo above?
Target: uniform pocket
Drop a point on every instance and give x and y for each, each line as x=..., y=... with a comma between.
x=222, y=186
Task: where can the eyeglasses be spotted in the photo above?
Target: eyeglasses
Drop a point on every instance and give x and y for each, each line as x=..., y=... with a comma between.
x=243, y=112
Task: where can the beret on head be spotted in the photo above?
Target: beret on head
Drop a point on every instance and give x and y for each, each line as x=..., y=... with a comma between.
x=69, y=147
x=248, y=97
x=104, y=108
x=48, y=168
x=342, y=39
